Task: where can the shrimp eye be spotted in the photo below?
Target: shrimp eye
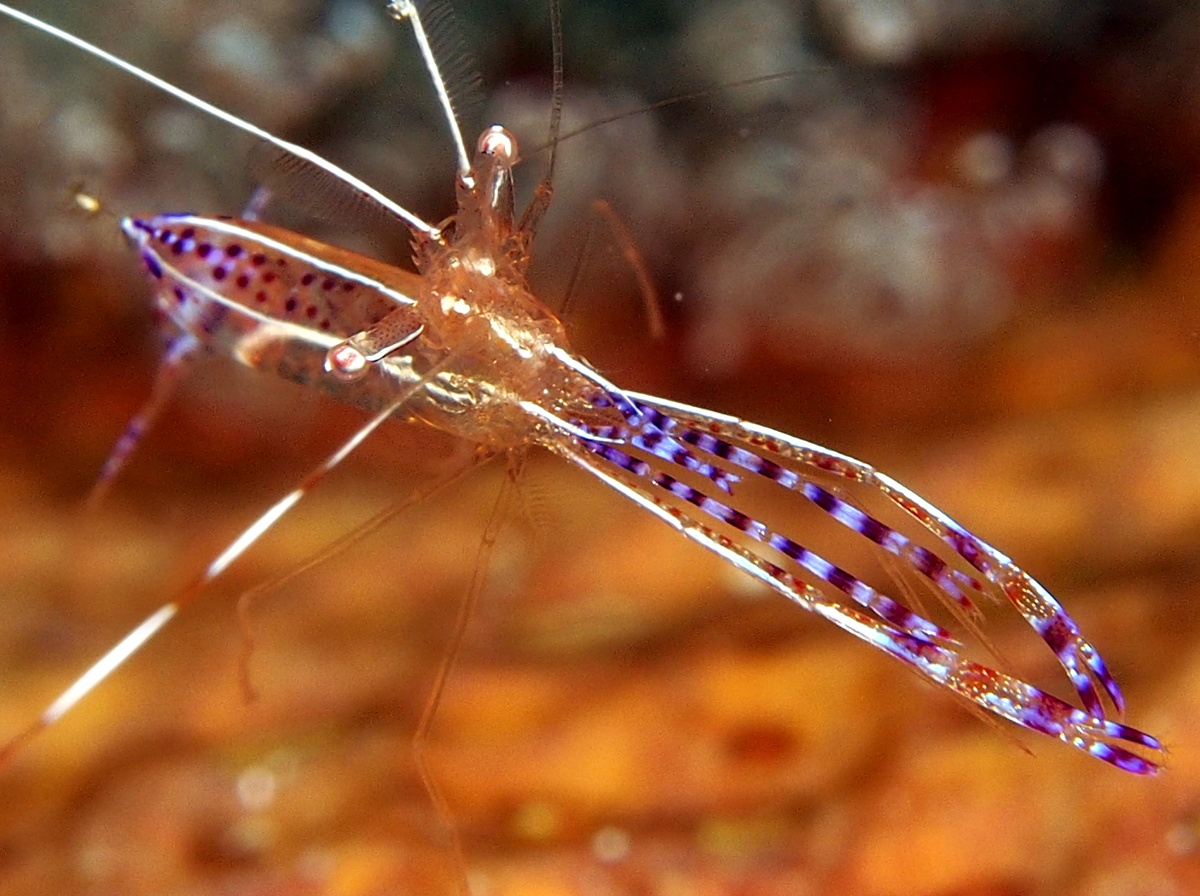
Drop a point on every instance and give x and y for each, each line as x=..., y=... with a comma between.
x=346, y=362
x=499, y=144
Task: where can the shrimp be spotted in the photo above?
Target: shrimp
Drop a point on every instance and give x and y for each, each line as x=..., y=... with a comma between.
x=464, y=346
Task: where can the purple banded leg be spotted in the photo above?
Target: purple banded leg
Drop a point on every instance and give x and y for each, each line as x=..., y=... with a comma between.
x=1003, y=695
x=647, y=434
x=655, y=436
x=170, y=370
x=986, y=688
x=919, y=558
x=775, y=455
x=1049, y=619
x=857, y=590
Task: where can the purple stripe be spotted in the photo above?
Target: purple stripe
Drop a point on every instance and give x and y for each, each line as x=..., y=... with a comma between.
x=1038, y=607
x=885, y=607
x=900, y=633
x=876, y=531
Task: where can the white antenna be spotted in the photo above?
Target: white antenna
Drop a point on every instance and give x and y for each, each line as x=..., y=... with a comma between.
x=407, y=10
x=229, y=118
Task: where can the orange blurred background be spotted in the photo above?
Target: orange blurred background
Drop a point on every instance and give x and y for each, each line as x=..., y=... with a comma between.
x=964, y=248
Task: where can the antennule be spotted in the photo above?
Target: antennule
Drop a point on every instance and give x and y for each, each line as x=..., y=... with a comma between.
x=441, y=40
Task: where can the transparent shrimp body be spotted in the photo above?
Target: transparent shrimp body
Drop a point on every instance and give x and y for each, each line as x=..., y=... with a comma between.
x=271, y=301
x=482, y=351
x=511, y=359
x=464, y=346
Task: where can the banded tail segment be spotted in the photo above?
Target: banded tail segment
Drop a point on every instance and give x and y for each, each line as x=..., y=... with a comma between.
x=645, y=458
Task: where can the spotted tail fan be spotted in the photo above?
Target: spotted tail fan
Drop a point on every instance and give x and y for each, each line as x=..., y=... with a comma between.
x=689, y=467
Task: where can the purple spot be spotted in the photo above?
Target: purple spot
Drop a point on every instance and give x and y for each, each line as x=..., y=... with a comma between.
x=927, y=563
x=219, y=273
x=787, y=547
x=841, y=580
x=823, y=499
x=290, y=304
x=233, y=250
x=968, y=548
x=307, y=279
x=258, y=259
x=152, y=266
x=874, y=530
x=204, y=250
x=242, y=281
x=1056, y=632
x=328, y=284
x=770, y=469
x=737, y=519
x=188, y=234
x=180, y=295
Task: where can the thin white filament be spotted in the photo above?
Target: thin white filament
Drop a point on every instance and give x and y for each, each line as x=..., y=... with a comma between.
x=105, y=666
x=228, y=117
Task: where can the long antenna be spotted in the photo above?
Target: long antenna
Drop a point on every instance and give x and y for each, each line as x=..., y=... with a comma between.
x=556, y=88
x=545, y=189
x=408, y=10
x=95, y=674
x=228, y=117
